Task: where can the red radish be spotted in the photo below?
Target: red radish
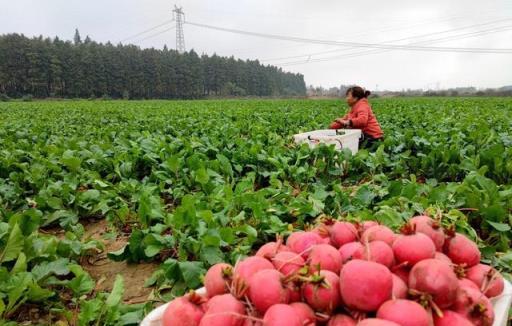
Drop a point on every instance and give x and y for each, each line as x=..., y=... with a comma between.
x=266, y=288
x=399, y=288
x=475, y=306
x=305, y=313
x=184, y=311
x=325, y=257
x=487, y=279
x=404, y=312
x=464, y=282
x=368, y=224
x=246, y=268
x=288, y=262
x=376, y=322
x=301, y=242
x=295, y=291
x=270, y=249
x=324, y=231
x=281, y=315
x=224, y=310
x=413, y=248
x=365, y=285
x=443, y=257
x=218, y=279
x=378, y=232
x=461, y=250
x=436, y=278
x=451, y=318
x=322, y=292
x=343, y=232
x=402, y=272
x=376, y=251
x=424, y=224
x=341, y=320
x=347, y=250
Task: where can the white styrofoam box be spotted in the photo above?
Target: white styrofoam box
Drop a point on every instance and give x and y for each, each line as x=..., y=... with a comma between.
x=501, y=306
x=341, y=138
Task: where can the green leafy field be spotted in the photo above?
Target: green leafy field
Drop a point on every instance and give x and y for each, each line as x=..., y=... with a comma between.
x=183, y=185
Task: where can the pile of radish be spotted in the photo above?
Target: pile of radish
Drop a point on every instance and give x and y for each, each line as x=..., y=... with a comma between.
x=341, y=274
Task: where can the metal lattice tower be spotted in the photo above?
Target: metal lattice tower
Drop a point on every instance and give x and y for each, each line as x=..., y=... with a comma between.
x=179, y=16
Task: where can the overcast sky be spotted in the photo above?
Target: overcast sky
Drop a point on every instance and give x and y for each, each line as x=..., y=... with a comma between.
x=364, y=21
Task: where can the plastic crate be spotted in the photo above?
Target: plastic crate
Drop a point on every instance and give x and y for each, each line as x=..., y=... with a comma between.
x=340, y=138
x=501, y=306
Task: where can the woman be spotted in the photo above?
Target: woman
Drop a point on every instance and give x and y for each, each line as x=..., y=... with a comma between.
x=360, y=117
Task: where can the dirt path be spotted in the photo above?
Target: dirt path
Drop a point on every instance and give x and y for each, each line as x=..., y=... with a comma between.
x=104, y=270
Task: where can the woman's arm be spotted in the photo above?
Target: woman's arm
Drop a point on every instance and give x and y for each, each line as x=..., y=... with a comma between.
x=361, y=119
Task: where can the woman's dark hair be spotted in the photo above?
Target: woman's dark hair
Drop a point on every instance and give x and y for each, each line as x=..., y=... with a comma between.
x=358, y=92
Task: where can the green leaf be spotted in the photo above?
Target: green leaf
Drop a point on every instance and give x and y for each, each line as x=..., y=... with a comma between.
x=191, y=272
x=21, y=264
x=44, y=269
x=14, y=245
x=202, y=176
x=82, y=283
x=502, y=227
x=116, y=294
x=70, y=161
x=89, y=311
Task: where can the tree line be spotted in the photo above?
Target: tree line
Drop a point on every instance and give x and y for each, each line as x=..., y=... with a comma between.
x=45, y=67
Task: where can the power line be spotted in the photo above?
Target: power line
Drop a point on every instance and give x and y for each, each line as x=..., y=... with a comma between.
x=449, y=19
x=362, y=53
x=391, y=41
x=155, y=34
x=147, y=30
x=357, y=44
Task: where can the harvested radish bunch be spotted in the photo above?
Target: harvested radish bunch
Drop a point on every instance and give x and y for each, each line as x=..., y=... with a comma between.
x=487, y=279
x=324, y=257
x=365, y=285
x=322, y=291
x=426, y=225
x=281, y=315
x=224, y=310
x=378, y=232
x=184, y=311
x=344, y=274
x=342, y=233
x=288, y=262
x=266, y=288
x=301, y=242
x=461, y=250
x=217, y=279
x=376, y=251
x=404, y=313
x=436, y=278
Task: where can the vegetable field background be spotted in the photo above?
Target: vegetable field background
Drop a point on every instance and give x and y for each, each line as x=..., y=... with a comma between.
x=108, y=208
